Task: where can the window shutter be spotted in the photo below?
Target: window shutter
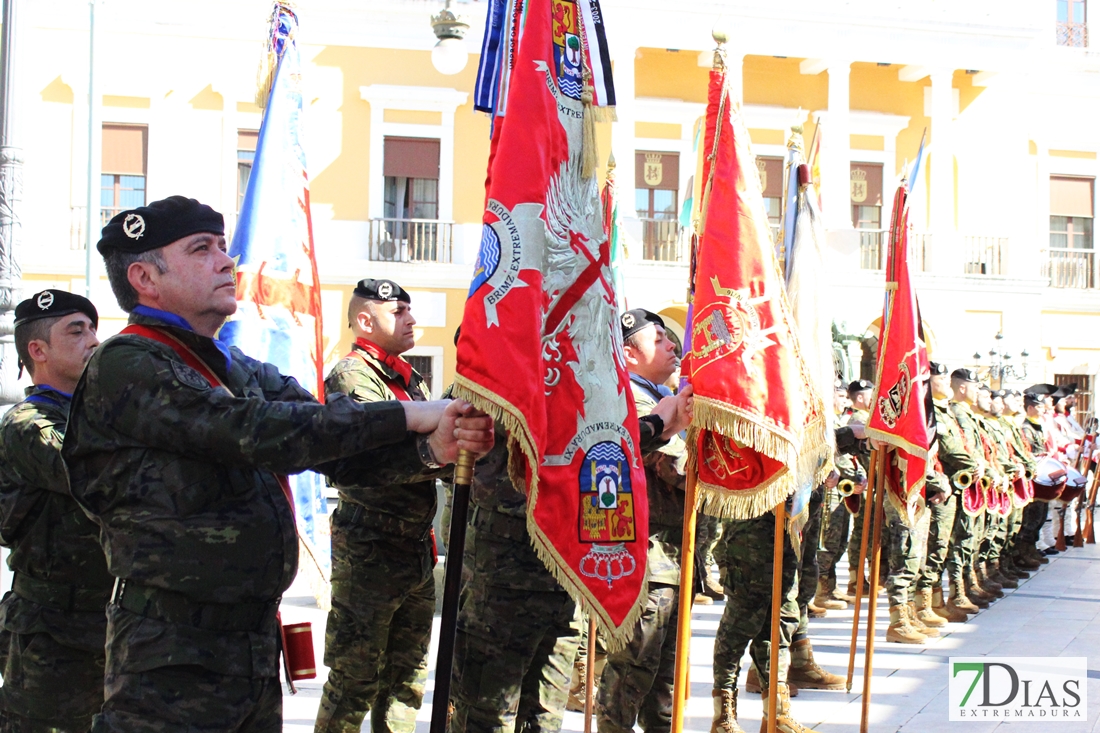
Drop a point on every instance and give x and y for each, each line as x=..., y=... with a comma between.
x=1070, y=196
x=410, y=157
x=124, y=148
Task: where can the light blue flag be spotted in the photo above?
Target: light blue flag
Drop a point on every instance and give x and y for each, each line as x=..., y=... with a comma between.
x=278, y=317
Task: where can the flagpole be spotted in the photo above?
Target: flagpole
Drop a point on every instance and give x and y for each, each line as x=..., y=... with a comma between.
x=872, y=484
x=1090, y=500
x=590, y=676
x=876, y=543
x=777, y=602
x=456, y=541
x=681, y=692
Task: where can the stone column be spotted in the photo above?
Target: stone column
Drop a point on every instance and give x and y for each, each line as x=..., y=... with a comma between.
x=836, y=151
x=622, y=130
x=946, y=255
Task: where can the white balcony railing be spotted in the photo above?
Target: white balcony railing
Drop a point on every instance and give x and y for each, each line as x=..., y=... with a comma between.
x=985, y=255
x=1071, y=268
x=661, y=240
x=411, y=240
x=1072, y=34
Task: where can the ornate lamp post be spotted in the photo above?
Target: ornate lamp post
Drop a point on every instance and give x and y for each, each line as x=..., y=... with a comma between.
x=449, y=54
x=1000, y=364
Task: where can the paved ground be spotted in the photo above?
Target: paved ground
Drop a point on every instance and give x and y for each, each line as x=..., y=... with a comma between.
x=1054, y=613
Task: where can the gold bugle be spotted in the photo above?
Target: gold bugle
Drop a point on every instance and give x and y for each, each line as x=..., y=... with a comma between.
x=963, y=479
x=984, y=483
x=846, y=487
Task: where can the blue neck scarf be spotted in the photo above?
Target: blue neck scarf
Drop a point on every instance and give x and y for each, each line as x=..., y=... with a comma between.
x=171, y=319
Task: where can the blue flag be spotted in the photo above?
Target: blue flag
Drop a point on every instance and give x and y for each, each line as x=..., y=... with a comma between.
x=278, y=317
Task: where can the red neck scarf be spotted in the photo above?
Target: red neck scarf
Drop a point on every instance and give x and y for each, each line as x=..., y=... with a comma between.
x=396, y=363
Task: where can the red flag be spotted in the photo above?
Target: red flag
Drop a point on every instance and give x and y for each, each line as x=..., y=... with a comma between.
x=899, y=413
x=541, y=345
x=759, y=426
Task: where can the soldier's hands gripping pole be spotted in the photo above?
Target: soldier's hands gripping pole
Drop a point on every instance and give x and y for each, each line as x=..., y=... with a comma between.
x=873, y=481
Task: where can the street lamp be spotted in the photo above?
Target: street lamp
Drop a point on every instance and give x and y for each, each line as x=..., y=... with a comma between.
x=1000, y=363
x=449, y=54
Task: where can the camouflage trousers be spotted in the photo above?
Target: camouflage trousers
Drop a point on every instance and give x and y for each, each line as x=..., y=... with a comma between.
x=808, y=571
x=517, y=637
x=996, y=531
x=190, y=698
x=48, y=687
x=1031, y=522
x=904, y=552
x=855, y=539
x=964, y=537
x=941, y=523
x=376, y=640
x=637, y=682
x=836, y=518
x=747, y=557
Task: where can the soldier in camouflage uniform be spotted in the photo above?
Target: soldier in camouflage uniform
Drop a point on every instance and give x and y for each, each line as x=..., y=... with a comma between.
x=383, y=549
x=860, y=393
x=1021, y=558
x=1033, y=431
x=965, y=593
x=943, y=500
x=637, y=681
x=835, y=516
x=999, y=468
x=518, y=629
x=1006, y=468
x=175, y=447
x=52, y=627
x=1003, y=566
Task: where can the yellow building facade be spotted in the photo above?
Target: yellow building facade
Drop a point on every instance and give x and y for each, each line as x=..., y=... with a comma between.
x=1002, y=210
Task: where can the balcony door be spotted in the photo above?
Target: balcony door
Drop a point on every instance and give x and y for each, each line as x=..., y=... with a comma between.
x=1072, y=258
x=410, y=228
x=865, y=191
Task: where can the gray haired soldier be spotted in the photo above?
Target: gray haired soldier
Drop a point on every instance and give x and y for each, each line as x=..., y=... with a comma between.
x=383, y=550
x=176, y=447
x=52, y=627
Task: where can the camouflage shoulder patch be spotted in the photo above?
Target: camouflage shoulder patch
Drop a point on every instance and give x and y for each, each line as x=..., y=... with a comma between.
x=189, y=376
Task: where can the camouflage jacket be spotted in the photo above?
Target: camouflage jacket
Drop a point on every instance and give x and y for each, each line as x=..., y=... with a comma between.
x=664, y=475
x=1016, y=442
x=954, y=454
x=180, y=477
x=1034, y=434
x=407, y=505
x=968, y=429
x=52, y=541
x=1003, y=466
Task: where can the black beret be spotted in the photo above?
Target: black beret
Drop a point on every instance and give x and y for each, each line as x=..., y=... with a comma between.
x=1002, y=393
x=966, y=375
x=860, y=385
x=935, y=368
x=983, y=387
x=1041, y=389
x=52, y=304
x=636, y=319
x=386, y=290
x=1030, y=398
x=159, y=224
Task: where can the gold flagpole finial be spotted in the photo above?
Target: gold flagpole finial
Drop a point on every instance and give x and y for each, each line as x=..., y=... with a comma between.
x=720, y=36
